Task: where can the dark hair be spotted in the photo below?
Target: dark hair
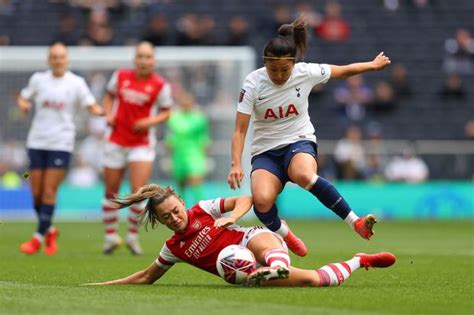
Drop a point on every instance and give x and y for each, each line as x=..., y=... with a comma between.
x=155, y=195
x=292, y=40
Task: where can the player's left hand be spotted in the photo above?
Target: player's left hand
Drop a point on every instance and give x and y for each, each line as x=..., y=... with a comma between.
x=224, y=222
x=141, y=125
x=381, y=61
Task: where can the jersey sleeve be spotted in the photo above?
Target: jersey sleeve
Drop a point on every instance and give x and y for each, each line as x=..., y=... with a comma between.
x=319, y=73
x=214, y=207
x=112, y=84
x=247, y=96
x=164, y=99
x=166, y=259
x=29, y=91
x=85, y=97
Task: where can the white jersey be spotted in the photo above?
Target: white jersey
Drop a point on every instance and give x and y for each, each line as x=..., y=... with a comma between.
x=55, y=100
x=281, y=112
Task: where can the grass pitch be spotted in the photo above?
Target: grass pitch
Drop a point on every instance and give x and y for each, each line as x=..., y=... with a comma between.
x=433, y=275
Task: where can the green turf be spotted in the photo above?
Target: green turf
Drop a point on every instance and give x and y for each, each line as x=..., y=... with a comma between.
x=433, y=275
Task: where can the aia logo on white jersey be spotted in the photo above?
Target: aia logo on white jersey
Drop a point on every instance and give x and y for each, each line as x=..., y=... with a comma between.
x=281, y=112
x=126, y=83
x=196, y=225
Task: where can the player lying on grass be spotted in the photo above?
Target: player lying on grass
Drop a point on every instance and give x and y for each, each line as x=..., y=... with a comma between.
x=202, y=231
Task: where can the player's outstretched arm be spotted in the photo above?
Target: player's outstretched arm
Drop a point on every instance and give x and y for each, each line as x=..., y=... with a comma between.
x=239, y=207
x=342, y=72
x=147, y=276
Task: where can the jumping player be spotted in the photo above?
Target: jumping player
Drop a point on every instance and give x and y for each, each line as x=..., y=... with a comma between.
x=136, y=100
x=284, y=145
x=55, y=94
x=202, y=231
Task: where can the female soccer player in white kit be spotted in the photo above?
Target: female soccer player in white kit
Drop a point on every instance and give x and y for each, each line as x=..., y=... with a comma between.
x=55, y=94
x=284, y=145
x=136, y=100
x=202, y=231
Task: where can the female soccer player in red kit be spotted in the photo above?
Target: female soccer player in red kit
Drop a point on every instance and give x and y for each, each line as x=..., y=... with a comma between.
x=201, y=232
x=136, y=100
x=284, y=145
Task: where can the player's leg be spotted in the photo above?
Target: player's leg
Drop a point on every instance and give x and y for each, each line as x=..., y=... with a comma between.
x=36, y=183
x=37, y=170
x=195, y=185
x=112, y=180
x=265, y=188
x=115, y=162
x=196, y=166
x=52, y=179
x=302, y=170
x=270, y=252
x=140, y=172
x=333, y=274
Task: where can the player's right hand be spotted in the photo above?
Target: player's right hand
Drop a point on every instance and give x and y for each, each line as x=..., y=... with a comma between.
x=110, y=120
x=236, y=174
x=25, y=106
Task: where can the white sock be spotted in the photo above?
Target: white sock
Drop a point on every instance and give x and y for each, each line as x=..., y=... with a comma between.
x=277, y=258
x=335, y=274
x=283, y=230
x=39, y=237
x=351, y=218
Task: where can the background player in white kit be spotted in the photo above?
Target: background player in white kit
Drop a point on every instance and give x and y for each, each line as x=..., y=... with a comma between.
x=201, y=232
x=131, y=102
x=284, y=145
x=55, y=94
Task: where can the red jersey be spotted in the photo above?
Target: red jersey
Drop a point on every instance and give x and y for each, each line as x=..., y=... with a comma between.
x=201, y=243
x=136, y=99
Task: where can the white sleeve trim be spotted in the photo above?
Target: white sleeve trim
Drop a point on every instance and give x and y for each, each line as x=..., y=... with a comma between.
x=212, y=207
x=166, y=259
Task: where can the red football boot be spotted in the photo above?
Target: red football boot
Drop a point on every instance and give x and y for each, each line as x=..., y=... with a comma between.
x=364, y=226
x=50, y=238
x=31, y=247
x=379, y=260
x=295, y=244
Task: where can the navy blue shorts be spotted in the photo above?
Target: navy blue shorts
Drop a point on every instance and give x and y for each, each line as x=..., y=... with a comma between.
x=43, y=159
x=277, y=161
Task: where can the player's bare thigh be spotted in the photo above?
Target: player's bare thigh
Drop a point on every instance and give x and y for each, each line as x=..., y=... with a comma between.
x=265, y=189
x=140, y=172
x=261, y=243
x=112, y=179
x=302, y=168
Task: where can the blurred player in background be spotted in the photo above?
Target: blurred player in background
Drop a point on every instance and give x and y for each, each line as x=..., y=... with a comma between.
x=188, y=139
x=201, y=232
x=284, y=145
x=55, y=94
x=136, y=100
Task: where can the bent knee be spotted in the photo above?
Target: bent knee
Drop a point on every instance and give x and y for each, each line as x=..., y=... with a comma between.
x=263, y=202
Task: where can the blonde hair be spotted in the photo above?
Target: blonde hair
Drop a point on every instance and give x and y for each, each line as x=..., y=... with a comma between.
x=155, y=195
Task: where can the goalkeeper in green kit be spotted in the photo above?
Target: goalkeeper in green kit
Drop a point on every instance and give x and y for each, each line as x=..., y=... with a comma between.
x=187, y=137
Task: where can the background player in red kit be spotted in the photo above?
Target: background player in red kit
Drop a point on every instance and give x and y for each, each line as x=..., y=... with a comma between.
x=201, y=232
x=136, y=100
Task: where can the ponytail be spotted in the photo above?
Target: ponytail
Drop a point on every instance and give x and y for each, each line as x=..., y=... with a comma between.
x=155, y=195
x=291, y=43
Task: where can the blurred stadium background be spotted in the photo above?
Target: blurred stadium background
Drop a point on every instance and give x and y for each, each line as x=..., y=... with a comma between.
x=421, y=106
